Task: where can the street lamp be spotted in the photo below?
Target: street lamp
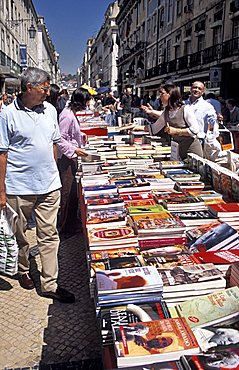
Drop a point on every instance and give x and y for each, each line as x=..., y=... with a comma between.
x=16, y=22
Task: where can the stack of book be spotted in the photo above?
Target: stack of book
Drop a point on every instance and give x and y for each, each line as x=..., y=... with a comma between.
x=125, y=151
x=228, y=212
x=179, y=201
x=143, y=198
x=213, y=237
x=127, y=285
x=234, y=274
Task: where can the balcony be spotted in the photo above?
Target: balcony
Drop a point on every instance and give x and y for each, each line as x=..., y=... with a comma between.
x=5, y=61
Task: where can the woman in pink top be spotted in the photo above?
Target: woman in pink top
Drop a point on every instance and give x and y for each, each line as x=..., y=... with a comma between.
x=69, y=149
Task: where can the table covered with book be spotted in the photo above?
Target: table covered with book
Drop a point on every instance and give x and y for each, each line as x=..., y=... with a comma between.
x=162, y=239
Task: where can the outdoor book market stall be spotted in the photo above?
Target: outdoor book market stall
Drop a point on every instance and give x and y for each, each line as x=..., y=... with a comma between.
x=162, y=235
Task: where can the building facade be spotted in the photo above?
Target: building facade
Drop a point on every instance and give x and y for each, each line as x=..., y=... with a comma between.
x=158, y=40
x=24, y=42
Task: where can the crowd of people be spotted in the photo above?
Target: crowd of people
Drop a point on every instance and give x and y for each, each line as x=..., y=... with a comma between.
x=40, y=140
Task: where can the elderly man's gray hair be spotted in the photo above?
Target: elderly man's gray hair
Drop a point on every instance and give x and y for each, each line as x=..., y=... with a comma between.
x=34, y=76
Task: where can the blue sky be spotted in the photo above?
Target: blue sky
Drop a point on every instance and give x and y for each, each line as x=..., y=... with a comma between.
x=70, y=23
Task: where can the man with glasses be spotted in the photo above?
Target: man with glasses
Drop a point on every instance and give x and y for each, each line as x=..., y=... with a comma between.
x=29, y=179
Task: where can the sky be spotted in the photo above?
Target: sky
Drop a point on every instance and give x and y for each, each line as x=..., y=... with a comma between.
x=70, y=23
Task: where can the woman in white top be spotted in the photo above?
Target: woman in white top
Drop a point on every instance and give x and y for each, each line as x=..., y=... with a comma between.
x=178, y=120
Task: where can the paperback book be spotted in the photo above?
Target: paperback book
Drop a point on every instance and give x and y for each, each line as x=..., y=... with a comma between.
x=130, y=313
x=111, y=236
x=221, y=335
x=153, y=341
x=209, y=309
x=158, y=223
x=227, y=358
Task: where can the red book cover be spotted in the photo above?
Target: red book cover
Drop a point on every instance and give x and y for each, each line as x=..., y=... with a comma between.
x=223, y=209
x=219, y=257
x=150, y=243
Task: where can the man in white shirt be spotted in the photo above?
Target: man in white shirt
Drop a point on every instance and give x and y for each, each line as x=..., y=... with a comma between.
x=204, y=111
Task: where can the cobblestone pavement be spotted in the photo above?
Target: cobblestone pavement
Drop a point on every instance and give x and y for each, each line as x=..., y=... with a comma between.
x=37, y=333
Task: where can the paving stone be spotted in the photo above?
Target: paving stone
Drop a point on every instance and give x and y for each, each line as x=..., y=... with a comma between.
x=39, y=333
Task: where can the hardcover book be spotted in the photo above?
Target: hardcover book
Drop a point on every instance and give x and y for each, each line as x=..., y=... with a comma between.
x=153, y=341
x=209, y=309
x=225, y=210
x=219, y=257
x=169, y=261
x=146, y=209
x=112, y=253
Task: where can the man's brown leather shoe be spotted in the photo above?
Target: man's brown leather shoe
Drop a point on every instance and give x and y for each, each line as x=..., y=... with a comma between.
x=26, y=282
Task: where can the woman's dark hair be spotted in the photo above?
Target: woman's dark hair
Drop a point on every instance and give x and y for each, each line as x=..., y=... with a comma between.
x=175, y=99
x=78, y=101
x=54, y=94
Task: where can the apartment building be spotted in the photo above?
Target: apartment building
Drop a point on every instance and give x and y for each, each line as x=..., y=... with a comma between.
x=179, y=40
x=25, y=42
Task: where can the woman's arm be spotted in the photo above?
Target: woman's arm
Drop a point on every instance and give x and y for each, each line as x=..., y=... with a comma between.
x=150, y=111
x=191, y=130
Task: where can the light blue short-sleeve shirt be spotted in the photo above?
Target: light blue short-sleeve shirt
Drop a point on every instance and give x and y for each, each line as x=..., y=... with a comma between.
x=28, y=137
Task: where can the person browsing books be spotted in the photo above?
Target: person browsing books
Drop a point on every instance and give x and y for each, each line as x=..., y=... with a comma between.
x=178, y=120
x=29, y=178
x=69, y=148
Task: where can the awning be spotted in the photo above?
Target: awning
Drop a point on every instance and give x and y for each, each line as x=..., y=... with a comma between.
x=12, y=81
x=192, y=76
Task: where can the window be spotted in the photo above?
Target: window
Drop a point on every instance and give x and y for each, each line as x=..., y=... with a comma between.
x=217, y=35
x=187, y=47
x=3, y=41
x=177, y=52
x=168, y=50
x=154, y=24
x=179, y=6
x=188, y=32
x=201, y=42
x=170, y=10
x=161, y=18
x=235, y=28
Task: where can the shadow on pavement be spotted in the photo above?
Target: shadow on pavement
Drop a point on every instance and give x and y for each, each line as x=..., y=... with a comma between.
x=72, y=340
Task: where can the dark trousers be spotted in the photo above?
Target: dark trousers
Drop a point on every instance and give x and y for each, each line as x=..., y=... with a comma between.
x=68, y=220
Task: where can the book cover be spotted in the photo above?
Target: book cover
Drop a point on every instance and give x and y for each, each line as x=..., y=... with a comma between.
x=116, y=263
x=146, y=209
x=225, y=209
x=137, y=196
x=167, y=261
x=130, y=313
x=209, y=309
x=151, y=242
x=120, y=280
x=216, y=238
x=221, y=335
x=106, y=215
x=193, y=215
x=219, y=257
x=191, y=277
x=137, y=203
x=158, y=222
x=112, y=253
x=152, y=341
x=227, y=358
x=111, y=235
x=170, y=251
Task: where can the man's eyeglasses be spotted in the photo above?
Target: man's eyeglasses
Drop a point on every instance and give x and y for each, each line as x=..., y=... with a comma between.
x=45, y=88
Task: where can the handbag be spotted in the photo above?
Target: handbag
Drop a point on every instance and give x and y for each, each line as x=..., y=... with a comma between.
x=8, y=245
